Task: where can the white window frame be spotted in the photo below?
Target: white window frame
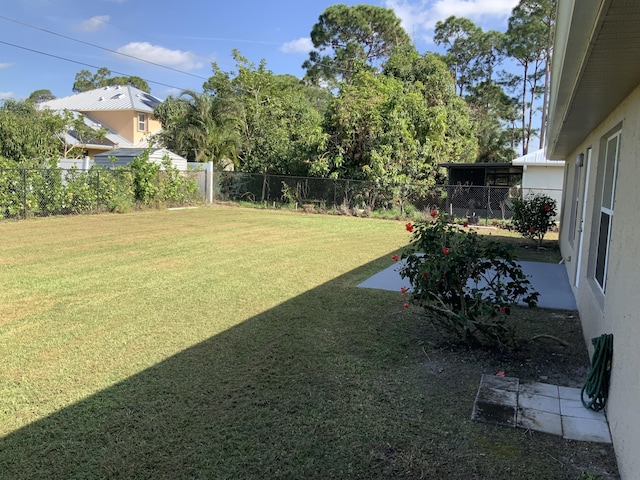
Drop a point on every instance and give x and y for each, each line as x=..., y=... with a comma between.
x=606, y=210
x=142, y=122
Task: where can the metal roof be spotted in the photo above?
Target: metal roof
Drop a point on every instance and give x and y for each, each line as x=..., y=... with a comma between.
x=131, y=153
x=595, y=67
x=111, y=139
x=117, y=97
x=537, y=158
x=477, y=165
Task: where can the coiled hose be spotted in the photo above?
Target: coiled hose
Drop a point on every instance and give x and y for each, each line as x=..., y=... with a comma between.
x=597, y=384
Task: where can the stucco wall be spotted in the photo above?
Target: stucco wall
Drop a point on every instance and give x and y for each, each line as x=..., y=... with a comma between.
x=617, y=311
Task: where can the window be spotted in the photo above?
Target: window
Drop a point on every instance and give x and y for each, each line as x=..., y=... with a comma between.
x=608, y=192
x=142, y=122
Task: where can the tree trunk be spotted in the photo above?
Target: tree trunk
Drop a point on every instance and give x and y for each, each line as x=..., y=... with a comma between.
x=545, y=98
x=525, y=146
x=532, y=105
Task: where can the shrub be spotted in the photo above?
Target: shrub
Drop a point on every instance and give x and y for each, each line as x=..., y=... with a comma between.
x=533, y=216
x=466, y=283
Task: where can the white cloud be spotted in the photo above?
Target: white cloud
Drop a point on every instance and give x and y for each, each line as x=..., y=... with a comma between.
x=93, y=24
x=301, y=45
x=5, y=65
x=6, y=95
x=474, y=9
x=420, y=17
x=162, y=56
x=174, y=92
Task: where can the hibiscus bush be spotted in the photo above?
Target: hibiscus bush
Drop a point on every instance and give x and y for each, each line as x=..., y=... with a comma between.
x=534, y=216
x=466, y=283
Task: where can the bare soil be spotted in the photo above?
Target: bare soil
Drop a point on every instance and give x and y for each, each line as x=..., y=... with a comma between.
x=552, y=350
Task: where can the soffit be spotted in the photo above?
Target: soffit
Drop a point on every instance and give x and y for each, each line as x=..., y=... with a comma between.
x=609, y=72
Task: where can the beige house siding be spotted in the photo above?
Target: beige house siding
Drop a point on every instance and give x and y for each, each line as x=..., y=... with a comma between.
x=125, y=123
x=618, y=310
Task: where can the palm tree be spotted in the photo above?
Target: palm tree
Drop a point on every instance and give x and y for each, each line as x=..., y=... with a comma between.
x=201, y=127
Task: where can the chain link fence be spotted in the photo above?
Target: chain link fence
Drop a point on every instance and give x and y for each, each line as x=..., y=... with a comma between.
x=471, y=203
x=28, y=192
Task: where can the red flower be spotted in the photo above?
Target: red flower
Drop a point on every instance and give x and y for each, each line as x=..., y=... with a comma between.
x=409, y=227
x=403, y=290
x=547, y=208
x=503, y=309
x=406, y=305
x=466, y=224
x=445, y=250
x=532, y=230
x=424, y=275
x=434, y=213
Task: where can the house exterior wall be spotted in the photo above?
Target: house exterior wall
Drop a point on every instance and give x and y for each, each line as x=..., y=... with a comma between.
x=543, y=179
x=125, y=123
x=617, y=310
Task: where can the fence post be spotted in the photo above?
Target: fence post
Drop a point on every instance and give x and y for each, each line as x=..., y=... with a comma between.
x=24, y=191
x=346, y=195
x=208, y=183
x=486, y=211
x=264, y=186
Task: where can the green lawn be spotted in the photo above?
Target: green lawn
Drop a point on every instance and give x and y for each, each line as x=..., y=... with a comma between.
x=232, y=343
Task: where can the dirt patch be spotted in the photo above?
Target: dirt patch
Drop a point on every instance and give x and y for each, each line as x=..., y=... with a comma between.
x=552, y=350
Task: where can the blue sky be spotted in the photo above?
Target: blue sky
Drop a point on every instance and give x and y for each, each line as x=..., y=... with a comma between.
x=185, y=36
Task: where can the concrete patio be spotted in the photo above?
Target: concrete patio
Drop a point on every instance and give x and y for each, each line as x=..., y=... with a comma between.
x=548, y=279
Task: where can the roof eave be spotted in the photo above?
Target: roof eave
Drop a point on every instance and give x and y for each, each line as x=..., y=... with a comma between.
x=594, y=68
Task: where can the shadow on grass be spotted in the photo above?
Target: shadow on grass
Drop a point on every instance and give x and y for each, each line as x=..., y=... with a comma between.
x=280, y=395
x=331, y=384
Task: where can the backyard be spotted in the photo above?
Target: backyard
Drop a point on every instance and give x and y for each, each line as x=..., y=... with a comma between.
x=229, y=343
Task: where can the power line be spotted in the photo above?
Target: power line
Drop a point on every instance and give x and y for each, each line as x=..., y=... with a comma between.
x=101, y=48
x=137, y=32
x=83, y=64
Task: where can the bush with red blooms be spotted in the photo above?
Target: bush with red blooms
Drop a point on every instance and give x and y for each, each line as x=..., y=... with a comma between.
x=534, y=216
x=465, y=283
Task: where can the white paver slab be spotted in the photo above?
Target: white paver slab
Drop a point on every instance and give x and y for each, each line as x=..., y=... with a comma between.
x=585, y=429
x=540, y=421
x=539, y=402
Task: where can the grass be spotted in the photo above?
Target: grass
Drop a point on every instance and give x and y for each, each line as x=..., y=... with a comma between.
x=233, y=343
x=525, y=249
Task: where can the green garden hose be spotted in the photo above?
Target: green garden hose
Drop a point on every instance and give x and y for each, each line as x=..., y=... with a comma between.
x=597, y=384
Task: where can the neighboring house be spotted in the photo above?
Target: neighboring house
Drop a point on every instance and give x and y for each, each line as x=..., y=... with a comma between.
x=121, y=157
x=594, y=125
x=540, y=175
x=481, y=190
x=483, y=174
x=124, y=111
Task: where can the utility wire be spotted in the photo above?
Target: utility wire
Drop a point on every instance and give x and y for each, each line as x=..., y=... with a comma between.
x=84, y=64
x=101, y=48
x=157, y=40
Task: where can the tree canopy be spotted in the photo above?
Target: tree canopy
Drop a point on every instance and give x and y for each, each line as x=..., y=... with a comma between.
x=529, y=40
x=347, y=38
x=31, y=136
x=396, y=127
x=42, y=95
x=85, y=81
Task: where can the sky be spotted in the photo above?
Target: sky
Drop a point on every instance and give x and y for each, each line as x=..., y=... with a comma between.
x=172, y=44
